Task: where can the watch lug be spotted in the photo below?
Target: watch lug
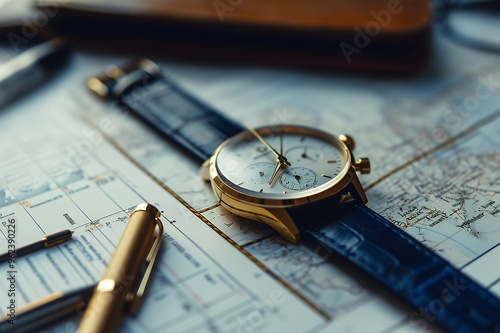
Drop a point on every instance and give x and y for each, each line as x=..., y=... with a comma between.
x=355, y=189
x=348, y=141
x=284, y=225
x=205, y=170
x=276, y=218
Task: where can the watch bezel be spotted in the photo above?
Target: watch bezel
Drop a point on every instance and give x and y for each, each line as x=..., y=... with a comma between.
x=335, y=185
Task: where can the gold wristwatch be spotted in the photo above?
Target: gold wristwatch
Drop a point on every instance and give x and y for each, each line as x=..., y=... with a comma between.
x=262, y=174
x=302, y=182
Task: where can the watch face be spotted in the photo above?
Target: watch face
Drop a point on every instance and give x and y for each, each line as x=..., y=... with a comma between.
x=281, y=162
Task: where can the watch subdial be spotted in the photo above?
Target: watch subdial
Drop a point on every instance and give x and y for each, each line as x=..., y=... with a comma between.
x=298, y=178
x=258, y=173
x=303, y=155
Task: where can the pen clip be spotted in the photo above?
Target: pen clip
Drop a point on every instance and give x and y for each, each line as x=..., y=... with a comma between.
x=134, y=299
x=56, y=238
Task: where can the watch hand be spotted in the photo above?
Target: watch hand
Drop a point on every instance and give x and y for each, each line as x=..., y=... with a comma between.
x=279, y=158
x=275, y=172
x=261, y=155
x=305, y=156
x=261, y=139
x=281, y=141
x=297, y=178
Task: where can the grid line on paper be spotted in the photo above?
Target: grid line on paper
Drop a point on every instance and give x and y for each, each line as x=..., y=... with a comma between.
x=218, y=231
x=442, y=145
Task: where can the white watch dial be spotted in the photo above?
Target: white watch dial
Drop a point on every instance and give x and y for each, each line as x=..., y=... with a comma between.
x=248, y=165
x=299, y=178
x=258, y=173
x=303, y=155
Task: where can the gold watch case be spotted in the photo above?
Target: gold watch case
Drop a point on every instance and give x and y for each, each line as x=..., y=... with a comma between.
x=272, y=209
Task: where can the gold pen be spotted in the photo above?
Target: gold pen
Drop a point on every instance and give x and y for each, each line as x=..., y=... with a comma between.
x=116, y=294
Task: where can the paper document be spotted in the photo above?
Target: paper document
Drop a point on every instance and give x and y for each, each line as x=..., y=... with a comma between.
x=72, y=161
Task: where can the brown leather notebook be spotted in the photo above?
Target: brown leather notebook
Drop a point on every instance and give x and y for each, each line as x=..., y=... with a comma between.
x=369, y=34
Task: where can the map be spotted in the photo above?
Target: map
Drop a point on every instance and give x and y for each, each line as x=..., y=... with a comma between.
x=451, y=206
x=55, y=183
x=433, y=174
x=433, y=144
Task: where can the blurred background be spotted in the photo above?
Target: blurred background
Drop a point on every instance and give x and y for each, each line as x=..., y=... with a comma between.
x=378, y=35
x=402, y=76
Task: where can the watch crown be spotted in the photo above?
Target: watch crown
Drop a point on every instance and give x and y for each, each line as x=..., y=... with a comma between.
x=362, y=165
x=348, y=141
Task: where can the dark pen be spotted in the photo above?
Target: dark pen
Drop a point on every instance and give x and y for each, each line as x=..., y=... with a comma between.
x=30, y=69
x=46, y=242
x=46, y=310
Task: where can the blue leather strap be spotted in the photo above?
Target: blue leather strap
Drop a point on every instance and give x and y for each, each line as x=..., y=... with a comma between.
x=179, y=116
x=438, y=291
